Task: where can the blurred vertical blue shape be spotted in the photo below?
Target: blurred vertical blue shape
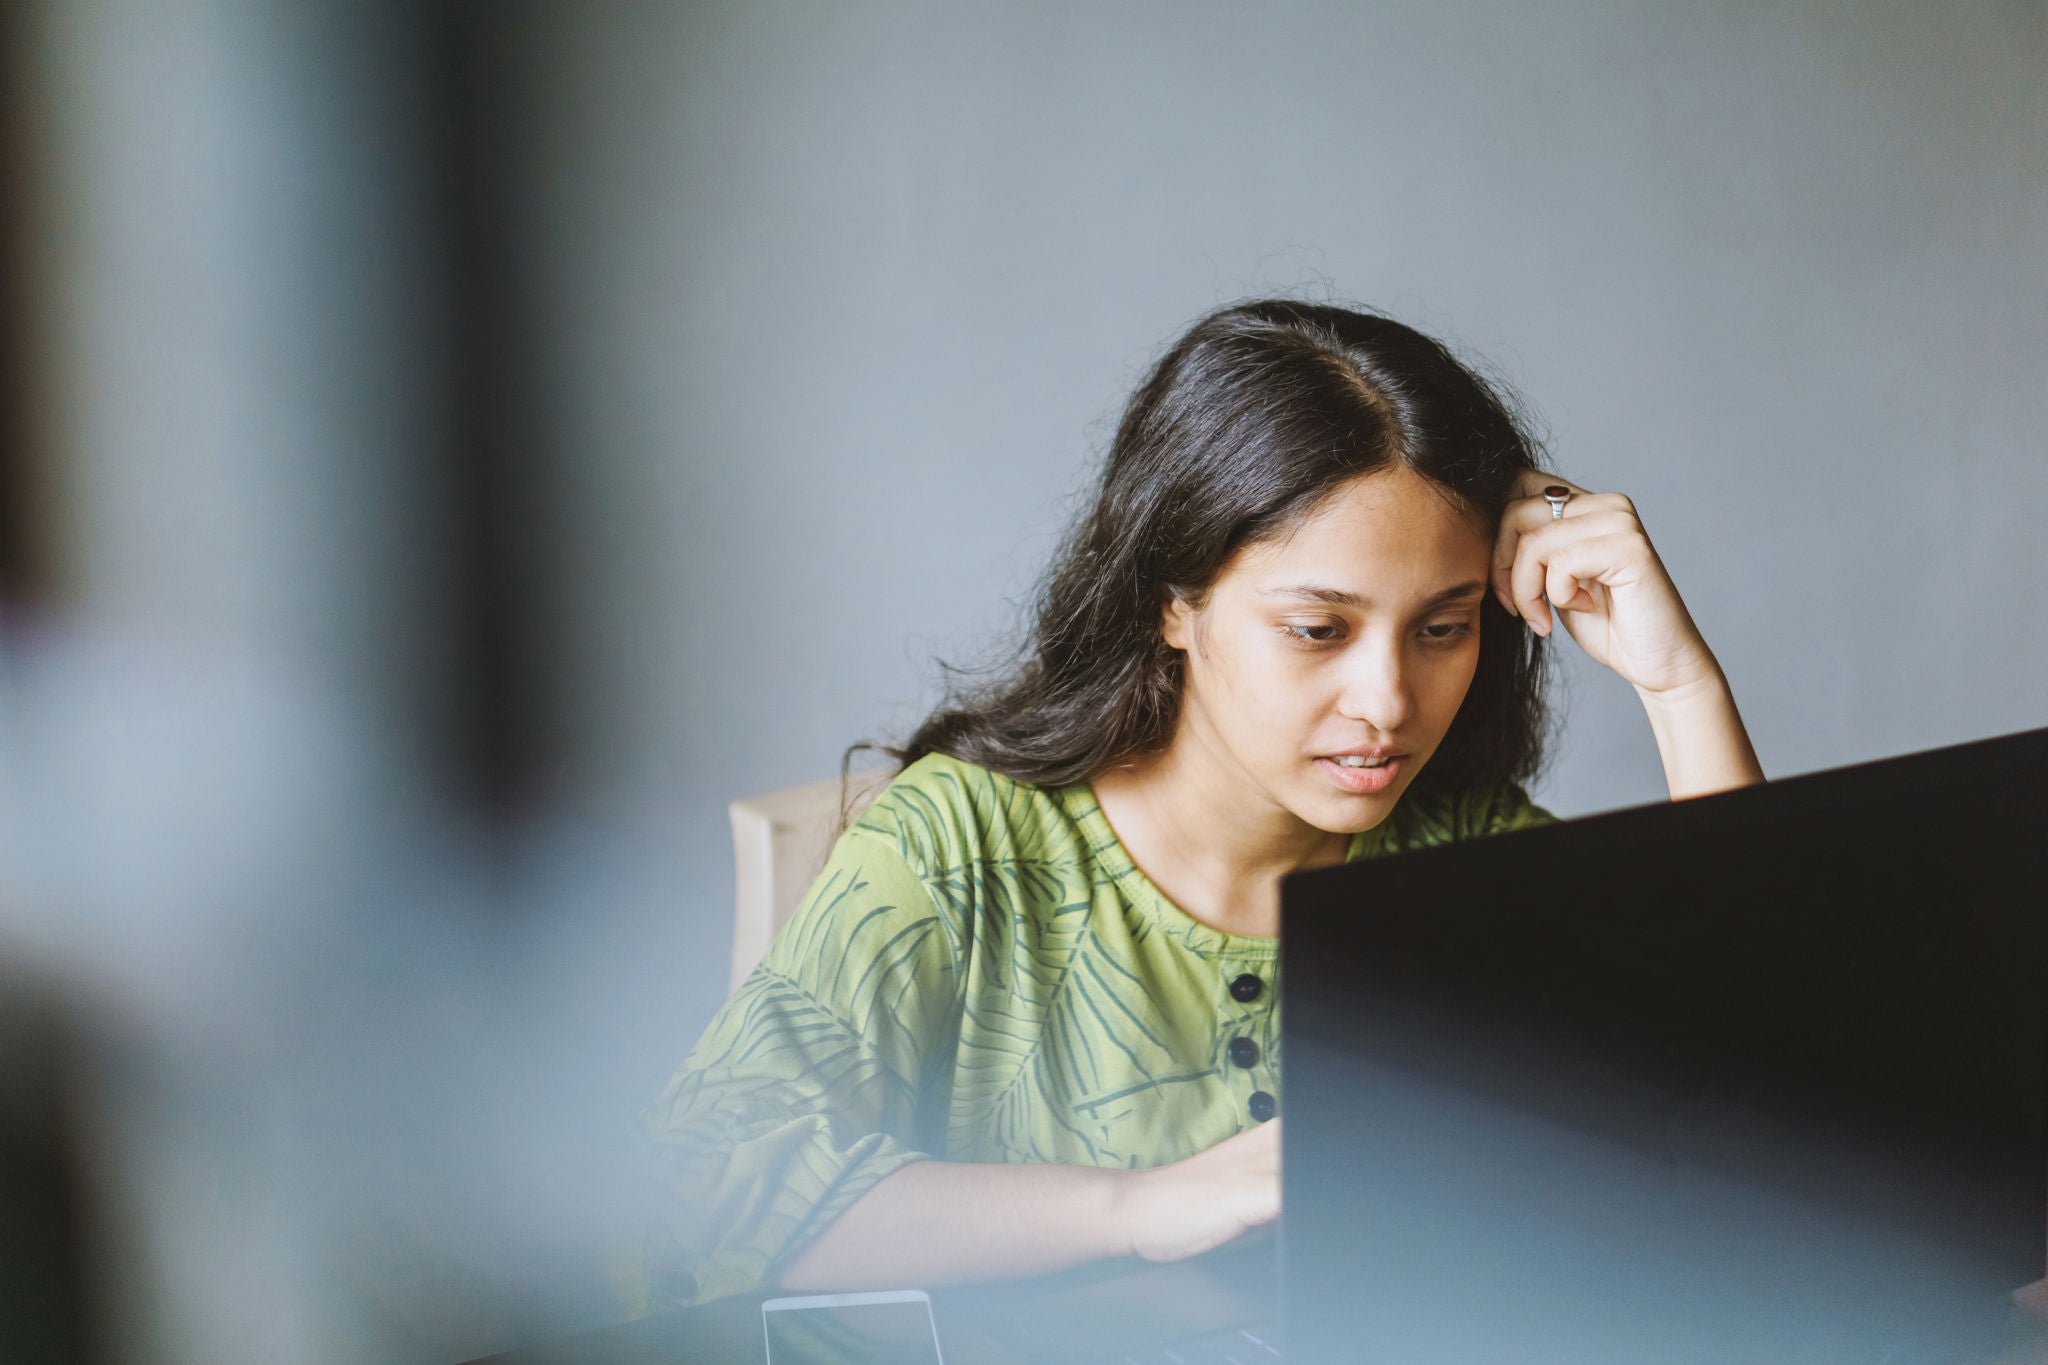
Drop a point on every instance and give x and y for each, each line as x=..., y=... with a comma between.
x=330, y=1108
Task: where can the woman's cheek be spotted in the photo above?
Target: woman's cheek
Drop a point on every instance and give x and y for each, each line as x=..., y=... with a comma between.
x=1455, y=681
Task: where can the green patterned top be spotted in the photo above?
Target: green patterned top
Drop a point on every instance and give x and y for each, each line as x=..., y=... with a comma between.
x=980, y=974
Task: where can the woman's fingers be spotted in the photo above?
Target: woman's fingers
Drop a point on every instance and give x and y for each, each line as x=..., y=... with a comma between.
x=1525, y=585
x=1207, y=1199
x=1562, y=589
x=1526, y=516
x=1527, y=512
x=1596, y=562
x=1578, y=566
x=1527, y=578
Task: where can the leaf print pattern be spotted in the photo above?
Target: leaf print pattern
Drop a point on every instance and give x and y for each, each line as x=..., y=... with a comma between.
x=980, y=973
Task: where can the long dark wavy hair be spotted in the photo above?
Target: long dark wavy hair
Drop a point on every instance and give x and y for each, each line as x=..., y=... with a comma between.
x=1254, y=417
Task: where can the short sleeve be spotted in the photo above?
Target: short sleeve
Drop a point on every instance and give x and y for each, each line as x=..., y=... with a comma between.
x=1448, y=819
x=1499, y=810
x=802, y=1094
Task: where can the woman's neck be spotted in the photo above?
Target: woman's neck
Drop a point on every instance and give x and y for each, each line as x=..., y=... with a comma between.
x=1212, y=845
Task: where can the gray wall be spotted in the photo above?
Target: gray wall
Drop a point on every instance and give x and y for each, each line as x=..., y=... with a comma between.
x=847, y=296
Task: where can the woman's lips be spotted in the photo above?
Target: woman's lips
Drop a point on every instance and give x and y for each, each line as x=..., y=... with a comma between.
x=1362, y=781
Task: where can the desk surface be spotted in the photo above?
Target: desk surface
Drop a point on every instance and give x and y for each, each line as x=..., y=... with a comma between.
x=1115, y=1305
x=723, y=1333
x=1219, y=1286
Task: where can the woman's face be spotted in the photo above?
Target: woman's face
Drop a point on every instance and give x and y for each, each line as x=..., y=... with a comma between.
x=1350, y=641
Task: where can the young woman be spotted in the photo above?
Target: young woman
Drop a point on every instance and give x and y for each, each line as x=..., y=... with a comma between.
x=1028, y=1016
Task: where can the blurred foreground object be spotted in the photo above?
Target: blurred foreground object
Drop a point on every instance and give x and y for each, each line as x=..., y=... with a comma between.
x=43, y=1312
x=279, y=848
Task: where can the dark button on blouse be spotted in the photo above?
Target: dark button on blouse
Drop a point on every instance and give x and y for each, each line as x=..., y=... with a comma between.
x=1245, y=988
x=1262, y=1106
x=672, y=1282
x=1244, y=1052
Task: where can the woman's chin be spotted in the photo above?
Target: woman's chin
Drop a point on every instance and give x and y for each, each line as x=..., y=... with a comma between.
x=1348, y=814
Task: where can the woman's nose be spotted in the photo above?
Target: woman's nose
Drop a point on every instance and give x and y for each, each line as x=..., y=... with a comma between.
x=1375, y=686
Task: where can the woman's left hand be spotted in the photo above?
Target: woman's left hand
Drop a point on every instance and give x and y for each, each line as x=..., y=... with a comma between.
x=1604, y=581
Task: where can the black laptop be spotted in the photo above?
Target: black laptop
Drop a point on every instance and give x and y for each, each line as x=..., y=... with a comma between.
x=1761, y=1077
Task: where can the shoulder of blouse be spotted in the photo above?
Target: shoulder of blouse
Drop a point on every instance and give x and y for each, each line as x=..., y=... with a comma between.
x=943, y=813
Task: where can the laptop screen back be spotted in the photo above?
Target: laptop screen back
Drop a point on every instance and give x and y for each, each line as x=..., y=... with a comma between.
x=1757, y=1077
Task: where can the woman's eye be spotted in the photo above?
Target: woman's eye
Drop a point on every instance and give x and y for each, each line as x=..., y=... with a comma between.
x=1447, y=630
x=1311, y=635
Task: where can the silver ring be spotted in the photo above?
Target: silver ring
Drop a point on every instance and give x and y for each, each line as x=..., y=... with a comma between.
x=1557, y=495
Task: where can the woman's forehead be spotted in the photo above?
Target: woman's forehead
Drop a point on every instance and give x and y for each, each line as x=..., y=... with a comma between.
x=1394, y=526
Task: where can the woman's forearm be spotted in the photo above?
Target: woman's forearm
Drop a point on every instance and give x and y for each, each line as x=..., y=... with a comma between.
x=1702, y=740
x=938, y=1222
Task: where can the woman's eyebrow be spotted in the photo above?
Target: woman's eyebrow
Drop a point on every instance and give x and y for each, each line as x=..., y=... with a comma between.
x=1338, y=597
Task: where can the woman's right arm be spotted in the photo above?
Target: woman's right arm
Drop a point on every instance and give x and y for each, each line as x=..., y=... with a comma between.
x=788, y=1148
x=933, y=1222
